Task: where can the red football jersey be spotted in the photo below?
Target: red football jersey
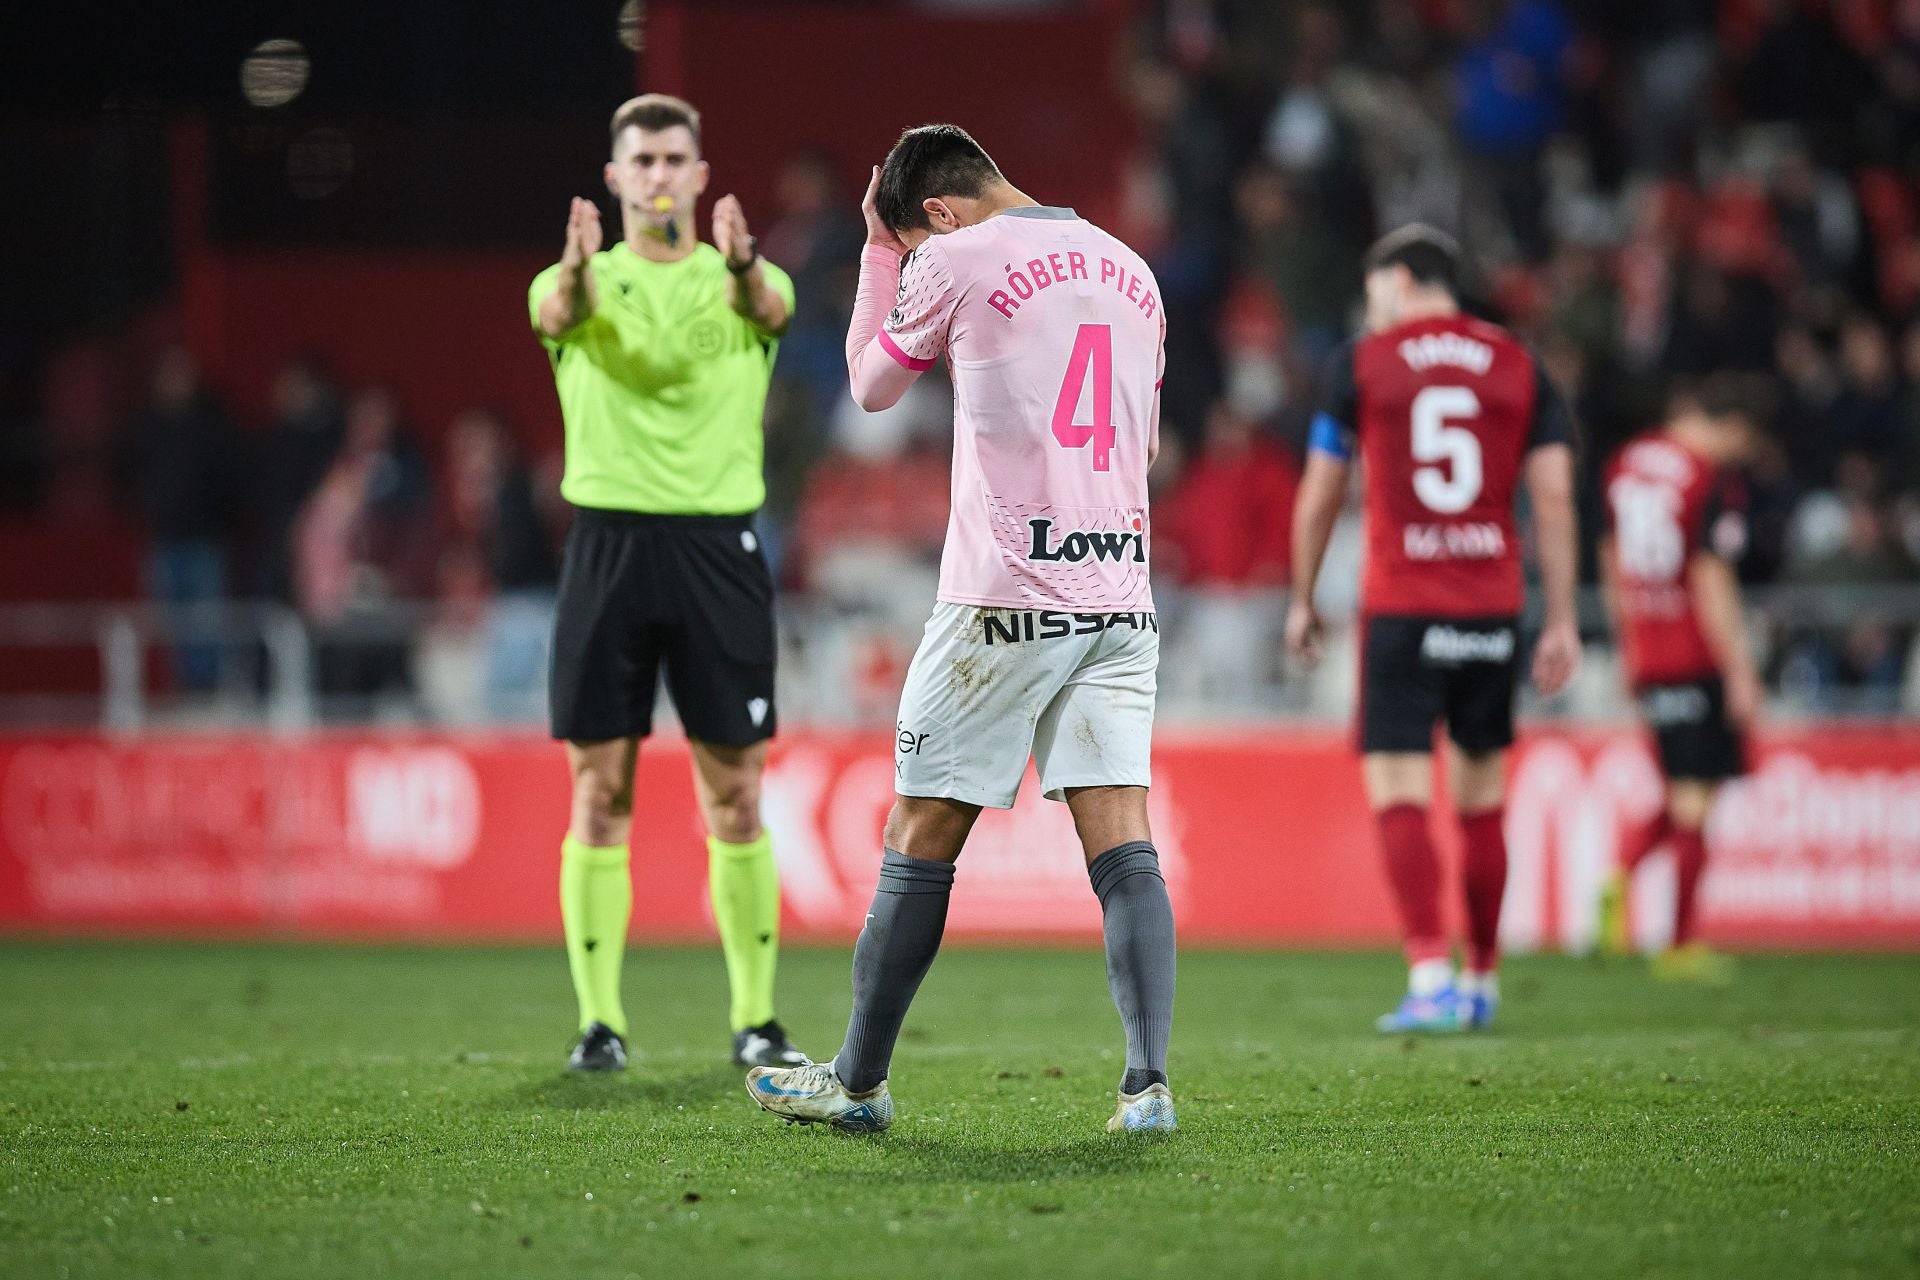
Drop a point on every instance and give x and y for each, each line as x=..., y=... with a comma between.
x=1445, y=410
x=1666, y=503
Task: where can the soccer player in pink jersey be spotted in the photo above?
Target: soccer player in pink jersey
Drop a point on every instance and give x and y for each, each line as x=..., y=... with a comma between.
x=1044, y=642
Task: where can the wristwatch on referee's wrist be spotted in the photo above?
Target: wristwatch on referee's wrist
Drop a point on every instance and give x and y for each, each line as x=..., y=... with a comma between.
x=753, y=256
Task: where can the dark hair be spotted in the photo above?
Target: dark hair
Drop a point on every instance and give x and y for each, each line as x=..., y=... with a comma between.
x=1430, y=255
x=1747, y=396
x=654, y=112
x=930, y=161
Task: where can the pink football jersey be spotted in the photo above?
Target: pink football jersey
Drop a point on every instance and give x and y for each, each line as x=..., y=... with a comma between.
x=1054, y=333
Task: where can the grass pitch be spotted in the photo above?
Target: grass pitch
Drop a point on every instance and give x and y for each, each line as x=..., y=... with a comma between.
x=293, y=1111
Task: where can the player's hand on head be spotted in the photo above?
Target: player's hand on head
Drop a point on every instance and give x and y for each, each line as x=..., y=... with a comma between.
x=1555, y=658
x=878, y=232
x=1306, y=637
x=583, y=232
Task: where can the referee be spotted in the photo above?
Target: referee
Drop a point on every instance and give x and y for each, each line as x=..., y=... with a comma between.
x=662, y=348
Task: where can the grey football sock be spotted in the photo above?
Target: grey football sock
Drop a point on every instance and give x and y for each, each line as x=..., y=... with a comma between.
x=893, y=954
x=1138, y=921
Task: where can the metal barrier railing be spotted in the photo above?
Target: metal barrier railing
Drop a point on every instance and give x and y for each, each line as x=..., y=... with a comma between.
x=414, y=663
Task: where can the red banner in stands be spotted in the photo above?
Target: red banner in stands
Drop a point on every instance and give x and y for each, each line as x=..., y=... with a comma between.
x=1263, y=837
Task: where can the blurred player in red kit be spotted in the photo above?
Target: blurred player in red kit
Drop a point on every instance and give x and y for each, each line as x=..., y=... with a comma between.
x=1448, y=414
x=1675, y=526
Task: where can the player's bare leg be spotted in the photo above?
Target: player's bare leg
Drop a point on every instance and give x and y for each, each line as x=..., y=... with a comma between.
x=1689, y=801
x=744, y=885
x=1137, y=920
x=1400, y=791
x=596, y=895
x=924, y=836
x=1479, y=785
x=1639, y=841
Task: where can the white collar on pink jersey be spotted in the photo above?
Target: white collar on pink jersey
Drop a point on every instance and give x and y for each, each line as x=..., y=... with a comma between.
x=1057, y=212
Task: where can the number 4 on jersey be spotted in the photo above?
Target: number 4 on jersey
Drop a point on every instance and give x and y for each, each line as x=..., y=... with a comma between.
x=1092, y=352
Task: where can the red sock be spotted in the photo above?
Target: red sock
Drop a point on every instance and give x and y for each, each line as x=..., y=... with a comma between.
x=1644, y=839
x=1690, y=862
x=1413, y=868
x=1485, y=880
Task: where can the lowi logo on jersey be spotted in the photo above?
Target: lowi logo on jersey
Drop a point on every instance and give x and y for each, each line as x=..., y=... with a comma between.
x=1080, y=545
x=1021, y=873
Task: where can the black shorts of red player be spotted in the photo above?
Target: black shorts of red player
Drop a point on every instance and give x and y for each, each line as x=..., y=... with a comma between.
x=1419, y=672
x=1696, y=741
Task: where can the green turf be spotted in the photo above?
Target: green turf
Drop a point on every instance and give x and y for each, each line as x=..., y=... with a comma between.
x=289, y=1111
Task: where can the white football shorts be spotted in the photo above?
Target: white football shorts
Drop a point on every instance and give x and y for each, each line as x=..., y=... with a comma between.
x=990, y=687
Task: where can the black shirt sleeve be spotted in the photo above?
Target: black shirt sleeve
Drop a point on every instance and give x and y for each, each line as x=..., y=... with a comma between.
x=1722, y=526
x=1339, y=398
x=1336, y=419
x=1552, y=419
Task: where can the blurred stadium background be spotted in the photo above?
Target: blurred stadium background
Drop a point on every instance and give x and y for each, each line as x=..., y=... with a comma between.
x=279, y=455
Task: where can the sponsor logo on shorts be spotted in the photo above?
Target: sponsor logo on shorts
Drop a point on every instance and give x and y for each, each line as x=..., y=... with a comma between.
x=1013, y=626
x=1080, y=545
x=1448, y=646
x=907, y=742
x=1675, y=704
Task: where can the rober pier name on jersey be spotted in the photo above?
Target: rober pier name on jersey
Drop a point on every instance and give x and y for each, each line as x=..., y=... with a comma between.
x=1057, y=268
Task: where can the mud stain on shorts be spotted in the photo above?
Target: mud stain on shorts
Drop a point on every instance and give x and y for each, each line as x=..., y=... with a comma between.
x=966, y=675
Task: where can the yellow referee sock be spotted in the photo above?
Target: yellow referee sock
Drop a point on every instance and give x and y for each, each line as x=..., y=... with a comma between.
x=745, y=886
x=596, y=901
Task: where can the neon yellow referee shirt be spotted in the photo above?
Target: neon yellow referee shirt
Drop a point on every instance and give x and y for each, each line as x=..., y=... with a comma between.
x=663, y=389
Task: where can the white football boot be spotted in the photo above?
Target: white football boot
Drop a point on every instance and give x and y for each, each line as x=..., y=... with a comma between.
x=1148, y=1111
x=813, y=1094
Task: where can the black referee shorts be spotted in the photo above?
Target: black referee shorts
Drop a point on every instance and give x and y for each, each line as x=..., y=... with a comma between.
x=638, y=592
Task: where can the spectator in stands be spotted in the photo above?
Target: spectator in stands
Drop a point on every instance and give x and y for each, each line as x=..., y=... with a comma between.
x=497, y=548
x=177, y=459
x=1512, y=100
x=816, y=235
x=1797, y=68
x=1907, y=464
x=1192, y=181
x=1819, y=222
x=1288, y=247
x=1868, y=652
x=817, y=232
x=362, y=546
x=1809, y=384
x=1721, y=320
x=23, y=445
x=1584, y=302
x=1898, y=70
x=1868, y=416
x=296, y=449
x=1224, y=531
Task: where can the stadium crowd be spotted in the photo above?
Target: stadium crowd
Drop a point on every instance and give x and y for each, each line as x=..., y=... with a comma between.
x=1648, y=192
